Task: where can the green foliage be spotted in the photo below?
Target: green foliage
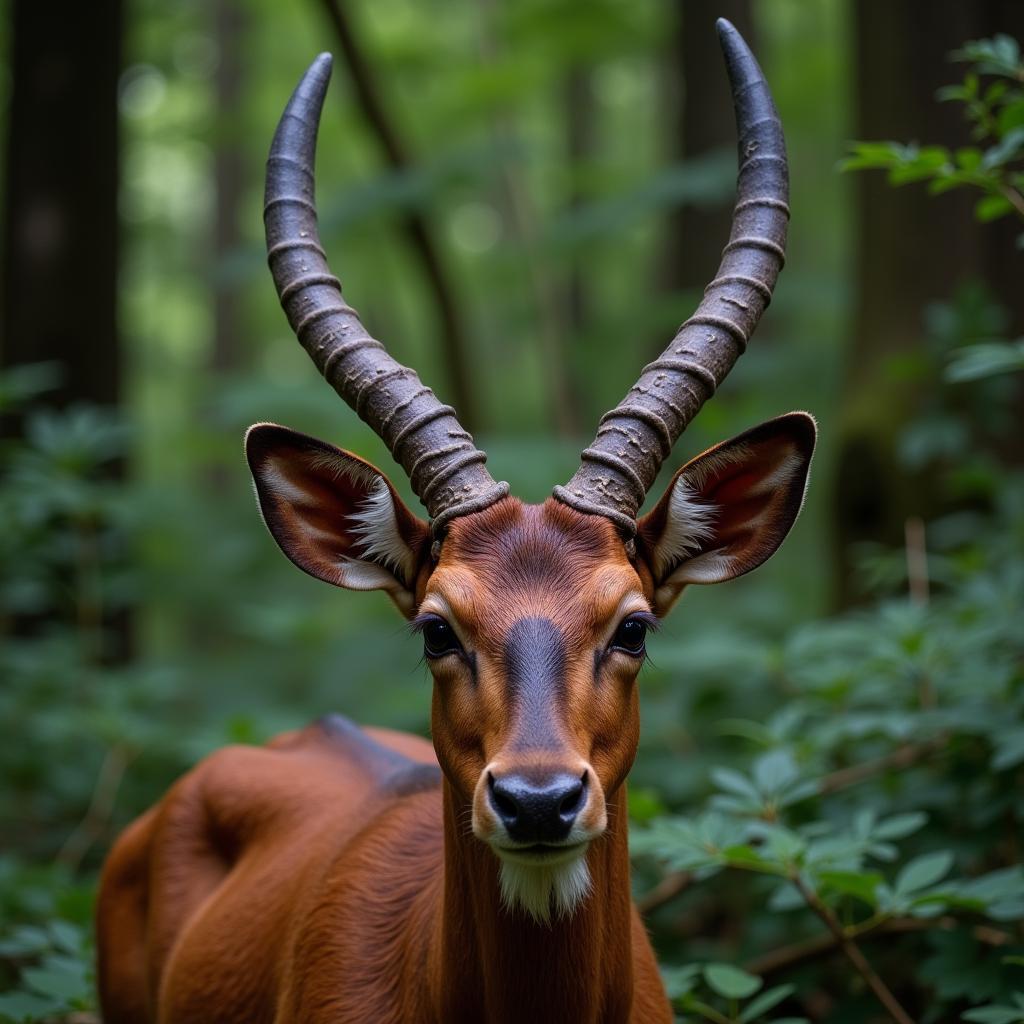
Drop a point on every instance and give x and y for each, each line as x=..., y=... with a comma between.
x=987, y=359
x=995, y=111
x=996, y=1014
x=46, y=959
x=874, y=788
x=724, y=993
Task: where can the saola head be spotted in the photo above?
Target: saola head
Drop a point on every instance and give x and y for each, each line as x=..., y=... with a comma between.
x=534, y=618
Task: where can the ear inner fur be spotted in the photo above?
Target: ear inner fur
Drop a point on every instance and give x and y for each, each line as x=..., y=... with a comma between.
x=728, y=510
x=335, y=515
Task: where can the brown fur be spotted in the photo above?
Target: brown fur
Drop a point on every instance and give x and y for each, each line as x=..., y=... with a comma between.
x=337, y=875
x=318, y=880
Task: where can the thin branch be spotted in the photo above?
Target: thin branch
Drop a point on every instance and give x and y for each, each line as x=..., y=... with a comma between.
x=664, y=892
x=853, y=953
x=709, y=1012
x=787, y=957
x=1013, y=197
x=917, y=560
x=414, y=224
x=101, y=807
x=902, y=757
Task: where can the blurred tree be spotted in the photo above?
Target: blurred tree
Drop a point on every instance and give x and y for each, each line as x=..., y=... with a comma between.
x=578, y=100
x=911, y=250
x=558, y=309
x=229, y=173
x=60, y=239
x=451, y=319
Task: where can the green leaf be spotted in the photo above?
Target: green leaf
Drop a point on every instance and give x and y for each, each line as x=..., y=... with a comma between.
x=645, y=804
x=27, y=1006
x=1011, y=116
x=995, y=1015
x=863, y=886
x=730, y=981
x=60, y=977
x=24, y=941
x=774, y=771
x=742, y=855
x=968, y=159
x=952, y=92
x=1009, y=745
x=923, y=871
x=680, y=980
x=764, y=1002
x=736, y=783
x=990, y=208
x=899, y=826
x=66, y=936
x=985, y=359
x=870, y=155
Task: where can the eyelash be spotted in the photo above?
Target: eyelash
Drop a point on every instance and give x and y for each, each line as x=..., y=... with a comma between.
x=422, y=623
x=651, y=624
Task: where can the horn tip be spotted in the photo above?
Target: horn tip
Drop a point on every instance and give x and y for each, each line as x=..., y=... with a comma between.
x=733, y=44
x=320, y=67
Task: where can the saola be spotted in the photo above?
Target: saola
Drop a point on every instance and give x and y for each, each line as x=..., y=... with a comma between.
x=341, y=874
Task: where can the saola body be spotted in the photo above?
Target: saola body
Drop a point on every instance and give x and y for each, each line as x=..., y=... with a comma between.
x=348, y=875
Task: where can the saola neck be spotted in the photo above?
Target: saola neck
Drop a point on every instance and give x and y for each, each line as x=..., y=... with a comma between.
x=502, y=966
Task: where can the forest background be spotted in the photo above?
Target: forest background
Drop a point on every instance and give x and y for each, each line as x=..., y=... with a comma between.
x=524, y=199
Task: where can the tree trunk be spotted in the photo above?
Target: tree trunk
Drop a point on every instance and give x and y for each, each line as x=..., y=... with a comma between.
x=425, y=245
x=60, y=247
x=229, y=173
x=912, y=250
x=578, y=100
x=60, y=240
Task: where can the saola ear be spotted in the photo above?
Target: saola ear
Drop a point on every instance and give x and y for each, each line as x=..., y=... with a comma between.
x=728, y=510
x=336, y=516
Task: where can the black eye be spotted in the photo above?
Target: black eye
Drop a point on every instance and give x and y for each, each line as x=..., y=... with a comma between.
x=630, y=636
x=439, y=639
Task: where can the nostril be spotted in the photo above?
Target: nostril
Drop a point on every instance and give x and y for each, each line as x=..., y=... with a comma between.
x=572, y=801
x=503, y=803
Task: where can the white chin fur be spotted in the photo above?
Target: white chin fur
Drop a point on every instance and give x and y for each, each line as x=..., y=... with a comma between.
x=545, y=890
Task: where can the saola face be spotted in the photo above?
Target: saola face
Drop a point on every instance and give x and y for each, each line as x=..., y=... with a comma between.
x=534, y=621
x=534, y=624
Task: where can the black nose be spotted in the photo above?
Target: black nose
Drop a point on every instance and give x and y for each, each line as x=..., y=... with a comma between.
x=538, y=811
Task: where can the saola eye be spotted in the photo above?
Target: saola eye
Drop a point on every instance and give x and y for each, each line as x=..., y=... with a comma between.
x=630, y=636
x=439, y=638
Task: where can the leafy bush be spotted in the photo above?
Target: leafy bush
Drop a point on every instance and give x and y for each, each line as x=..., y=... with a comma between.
x=995, y=165
x=874, y=787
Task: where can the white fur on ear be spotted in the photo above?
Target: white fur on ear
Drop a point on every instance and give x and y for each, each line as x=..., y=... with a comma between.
x=688, y=526
x=376, y=526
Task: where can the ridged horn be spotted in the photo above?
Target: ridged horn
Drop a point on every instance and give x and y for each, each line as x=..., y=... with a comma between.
x=445, y=468
x=637, y=435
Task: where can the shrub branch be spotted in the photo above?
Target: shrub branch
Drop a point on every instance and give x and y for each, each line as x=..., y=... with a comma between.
x=852, y=951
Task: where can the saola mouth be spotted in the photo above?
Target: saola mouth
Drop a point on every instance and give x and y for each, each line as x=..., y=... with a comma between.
x=542, y=854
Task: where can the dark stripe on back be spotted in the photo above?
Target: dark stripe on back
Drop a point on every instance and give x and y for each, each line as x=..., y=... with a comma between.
x=535, y=663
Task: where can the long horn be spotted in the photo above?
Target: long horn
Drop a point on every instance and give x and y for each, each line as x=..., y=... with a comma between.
x=445, y=468
x=637, y=435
